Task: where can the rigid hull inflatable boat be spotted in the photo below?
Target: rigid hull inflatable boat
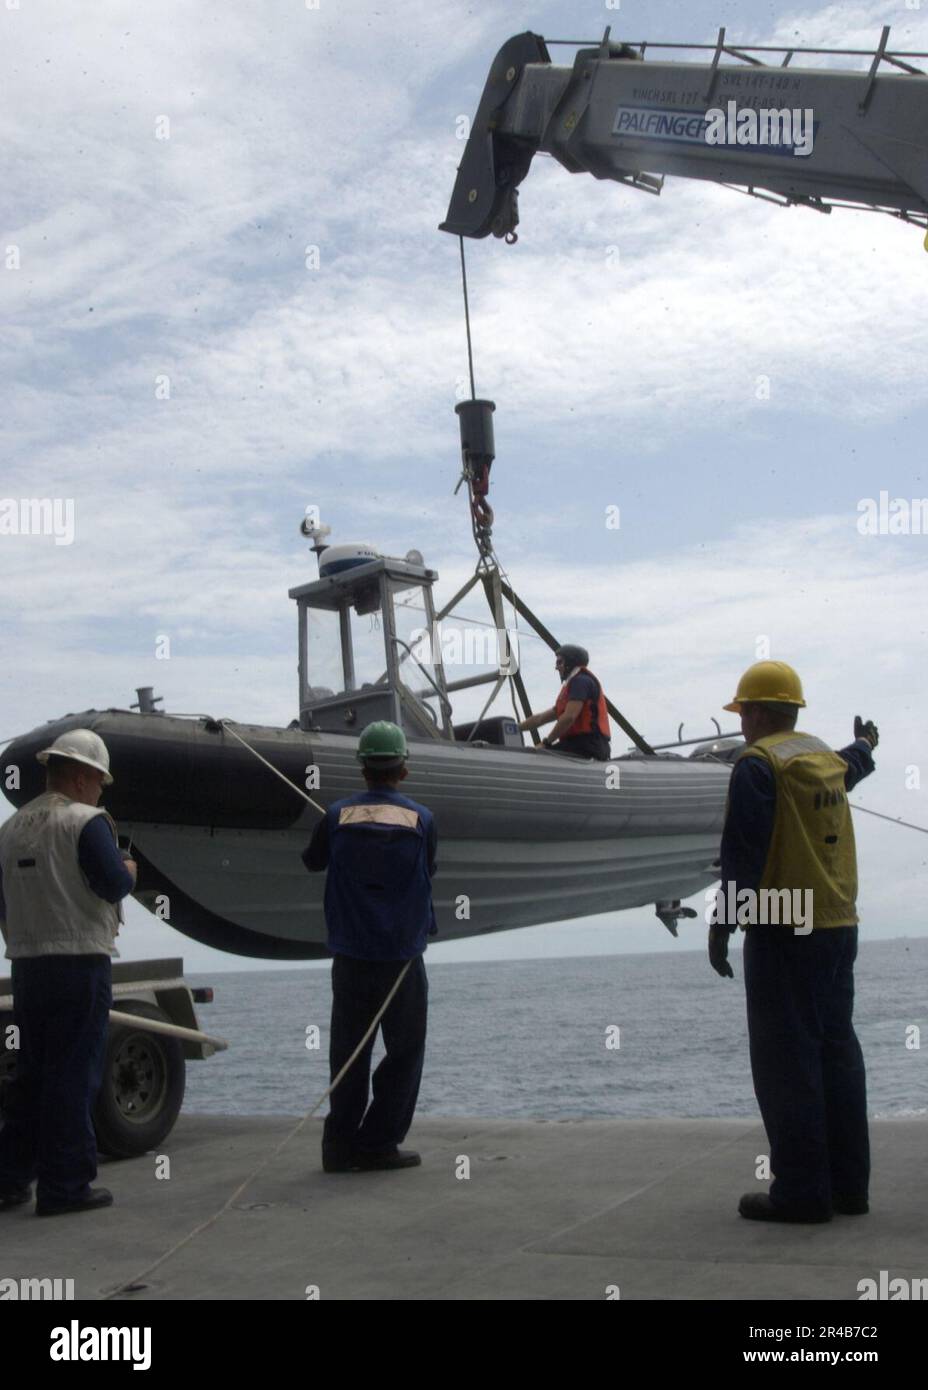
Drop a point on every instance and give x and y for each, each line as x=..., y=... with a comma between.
x=525, y=837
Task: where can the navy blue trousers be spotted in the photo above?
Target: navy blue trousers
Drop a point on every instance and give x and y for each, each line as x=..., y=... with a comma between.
x=61, y=1006
x=359, y=988
x=807, y=1064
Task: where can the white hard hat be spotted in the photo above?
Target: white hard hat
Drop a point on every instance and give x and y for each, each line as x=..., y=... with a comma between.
x=81, y=746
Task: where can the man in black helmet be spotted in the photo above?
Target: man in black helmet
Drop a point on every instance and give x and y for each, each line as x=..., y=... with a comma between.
x=581, y=719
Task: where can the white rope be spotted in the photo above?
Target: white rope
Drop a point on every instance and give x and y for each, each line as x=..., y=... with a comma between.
x=269, y=1158
x=127, y=1285
x=227, y=724
x=854, y=805
x=896, y=820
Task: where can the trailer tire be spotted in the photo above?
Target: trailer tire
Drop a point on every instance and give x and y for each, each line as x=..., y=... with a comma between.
x=144, y=1077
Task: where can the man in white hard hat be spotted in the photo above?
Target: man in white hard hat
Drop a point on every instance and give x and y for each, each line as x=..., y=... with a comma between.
x=62, y=878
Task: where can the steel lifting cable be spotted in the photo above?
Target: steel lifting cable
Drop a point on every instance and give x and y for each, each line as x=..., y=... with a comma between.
x=129, y=1285
x=515, y=621
x=483, y=539
x=470, y=351
x=481, y=513
x=488, y=550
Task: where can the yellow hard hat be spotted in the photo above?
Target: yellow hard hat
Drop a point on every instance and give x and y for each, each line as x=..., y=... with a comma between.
x=771, y=681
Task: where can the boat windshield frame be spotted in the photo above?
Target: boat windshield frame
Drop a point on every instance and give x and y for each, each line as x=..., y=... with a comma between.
x=372, y=588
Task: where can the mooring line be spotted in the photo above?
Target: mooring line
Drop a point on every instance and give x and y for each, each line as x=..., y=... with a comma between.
x=896, y=820
x=227, y=724
x=127, y=1286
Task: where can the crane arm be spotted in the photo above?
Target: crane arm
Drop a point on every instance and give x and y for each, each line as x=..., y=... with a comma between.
x=821, y=136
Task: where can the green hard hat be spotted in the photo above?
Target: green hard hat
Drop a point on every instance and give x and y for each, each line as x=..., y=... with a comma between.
x=382, y=744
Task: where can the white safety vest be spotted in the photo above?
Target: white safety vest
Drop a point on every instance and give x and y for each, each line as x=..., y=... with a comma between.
x=50, y=908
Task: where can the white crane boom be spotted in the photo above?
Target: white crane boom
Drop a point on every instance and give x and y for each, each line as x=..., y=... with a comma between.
x=817, y=136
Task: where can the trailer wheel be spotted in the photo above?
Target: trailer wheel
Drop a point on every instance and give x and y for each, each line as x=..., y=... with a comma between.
x=144, y=1076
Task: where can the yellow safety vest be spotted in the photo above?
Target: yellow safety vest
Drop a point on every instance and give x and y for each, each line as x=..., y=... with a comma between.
x=812, y=846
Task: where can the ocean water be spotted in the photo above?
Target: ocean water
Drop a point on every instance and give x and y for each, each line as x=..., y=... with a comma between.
x=528, y=1039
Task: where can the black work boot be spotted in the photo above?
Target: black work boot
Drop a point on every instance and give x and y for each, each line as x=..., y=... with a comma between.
x=91, y=1200
x=392, y=1158
x=339, y=1160
x=757, y=1206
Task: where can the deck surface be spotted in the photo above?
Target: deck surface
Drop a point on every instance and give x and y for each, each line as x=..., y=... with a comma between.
x=551, y=1210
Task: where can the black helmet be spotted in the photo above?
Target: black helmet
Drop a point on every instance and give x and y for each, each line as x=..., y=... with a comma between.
x=573, y=656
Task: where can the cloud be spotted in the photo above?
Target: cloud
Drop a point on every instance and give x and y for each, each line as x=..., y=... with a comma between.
x=185, y=259
x=624, y=338
x=855, y=26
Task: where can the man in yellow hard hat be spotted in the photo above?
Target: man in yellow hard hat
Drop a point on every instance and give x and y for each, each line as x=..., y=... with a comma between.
x=789, y=878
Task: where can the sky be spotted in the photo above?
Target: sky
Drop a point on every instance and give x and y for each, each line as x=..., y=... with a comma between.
x=225, y=298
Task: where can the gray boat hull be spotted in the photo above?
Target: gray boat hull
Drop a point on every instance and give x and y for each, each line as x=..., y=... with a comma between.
x=524, y=837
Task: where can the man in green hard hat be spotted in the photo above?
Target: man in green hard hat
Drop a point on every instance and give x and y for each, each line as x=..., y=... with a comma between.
x=378, y=847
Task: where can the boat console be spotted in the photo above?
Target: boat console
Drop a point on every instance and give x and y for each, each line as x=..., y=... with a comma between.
x=367, y=649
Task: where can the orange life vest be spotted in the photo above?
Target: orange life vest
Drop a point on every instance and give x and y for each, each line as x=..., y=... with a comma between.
x=593, y=717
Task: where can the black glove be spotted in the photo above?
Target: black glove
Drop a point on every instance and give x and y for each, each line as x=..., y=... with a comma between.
x=718, y=951
x=866, y=729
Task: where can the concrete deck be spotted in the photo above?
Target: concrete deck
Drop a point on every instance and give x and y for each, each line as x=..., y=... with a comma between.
x=551, y=1210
